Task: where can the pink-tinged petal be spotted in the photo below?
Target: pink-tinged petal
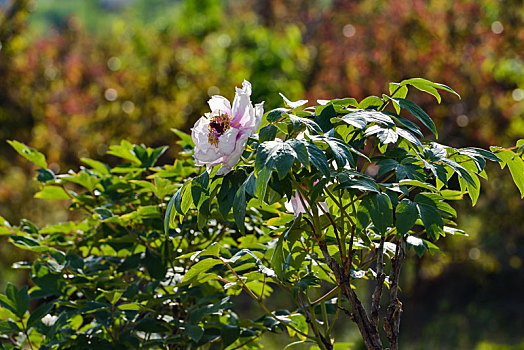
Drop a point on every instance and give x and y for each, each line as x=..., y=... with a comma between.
x=289, y=205
x=224, y=170
x=324, y=209
x=207, y=156
x=219, y=105
x=200, y=132
x=243, y=112
x=296, y=206
x=226, y=142
x=259, y=112
x=234, y=156
x=244, y=117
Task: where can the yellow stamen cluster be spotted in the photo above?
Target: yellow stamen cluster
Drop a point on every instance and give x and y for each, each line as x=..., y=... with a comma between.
x=217, y=127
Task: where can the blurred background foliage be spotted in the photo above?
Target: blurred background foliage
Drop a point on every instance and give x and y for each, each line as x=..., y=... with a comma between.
x=78, y=76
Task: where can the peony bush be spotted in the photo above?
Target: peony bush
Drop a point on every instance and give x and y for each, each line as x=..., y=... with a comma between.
x=302, y=201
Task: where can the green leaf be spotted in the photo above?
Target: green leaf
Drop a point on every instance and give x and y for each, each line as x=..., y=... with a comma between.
x=6, y=302
x=194, y=332
x=277, y=259
x=380, y=210
x=8, y=327
x=155, y=265
x=384, y=135
x=45, y=175
x=341, y=151
x=200, y=267
x=29, y=153
x=38, y=314
x=183, y=198
x=418, y=113
x=371, y=102
x=52, y=192
x=19, y=299
x=324, y=118
x=301, y=151
x=461, y=171
x=481, y=152
x=354, y=119
x=277, y=155
x=292, y=104
x=267, y=133
x=96, y=165
x=185, y=139
x=83, y=179
x=309, y=280
x=229, y=334
x=417, y=183
x=150, y=325
x=425, y=85
x=230, y=185
x=318, y=158
x=372, y=116
x=167, y=217
x=418, y=244
x=275, y=115
x=516, y=167
x=406, y=215
x=430, y=216
x=473, y=190
x=311, y=125
x=262, y=179
x=124, y=150
x=397, y=90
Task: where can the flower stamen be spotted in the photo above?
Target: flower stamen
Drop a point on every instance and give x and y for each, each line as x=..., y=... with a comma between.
x=217, y=127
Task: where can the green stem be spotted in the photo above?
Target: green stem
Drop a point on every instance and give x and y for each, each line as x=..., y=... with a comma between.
x=314, y=323
x=325, y=317
x=339, y=305
x=24, y=329
x=269, y=313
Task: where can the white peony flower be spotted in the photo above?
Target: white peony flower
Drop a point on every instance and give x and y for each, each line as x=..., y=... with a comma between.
x=296, y=206
x=221, y=136
x=49, y=320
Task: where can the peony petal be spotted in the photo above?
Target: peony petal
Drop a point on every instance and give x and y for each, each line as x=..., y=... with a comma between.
x=226, y=142
x=224, y=170
x=219, y=104
x=234, y=157
x=200, y=132
x=243, y=112
x=207, y=154
x=259, y=112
